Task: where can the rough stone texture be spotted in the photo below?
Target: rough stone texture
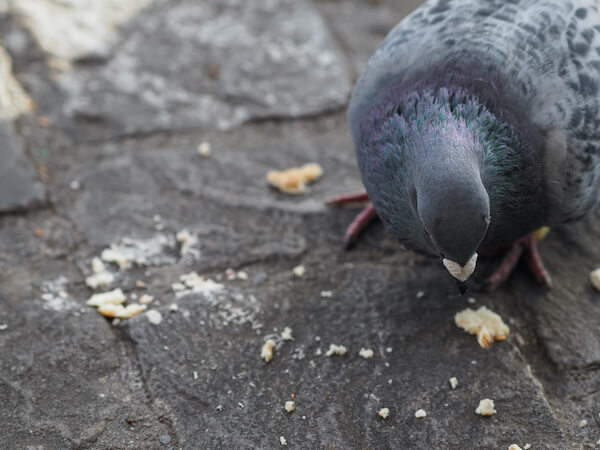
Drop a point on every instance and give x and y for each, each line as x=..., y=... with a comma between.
x=19, y=185
x=76, y=29
x=186, y=65
x=70, y=378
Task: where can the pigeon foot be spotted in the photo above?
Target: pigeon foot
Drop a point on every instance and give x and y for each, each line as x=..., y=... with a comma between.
x=527, y=245
x=360, y=222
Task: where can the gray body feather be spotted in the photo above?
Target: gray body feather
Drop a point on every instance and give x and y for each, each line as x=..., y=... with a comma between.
x=547, y=54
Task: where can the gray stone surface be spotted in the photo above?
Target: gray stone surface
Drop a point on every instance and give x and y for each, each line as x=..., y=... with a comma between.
x=20, y=186
x=70, y=378
x=187, y=64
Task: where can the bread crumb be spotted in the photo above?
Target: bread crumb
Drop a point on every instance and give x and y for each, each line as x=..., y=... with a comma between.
x=114, y=256
x=486, y=407
x=336, y=350
x=266, y=352
x=389, y=349
x=3, y=326
x=420, y=413
x=514, y=447
x=119, y=311
x=204, y=149
x=282, y=440
x=486, y=324
x=286, y=334
x=595, y=278
x=173, y=307
x=290, y=406
x=326, y=294
x=583, y=423
x=384, y=413
x=101, y=279
x=178, y=287
x=187, y=241
x=471, y=300
x=299, y=271
x=294, y=180
x=154, y=316
x=366, y=353
x=453, y=382
x=75, y=185
x=114, y=297
x=527, y=447
x=241, y=275
x=97, y=265
x=420, y=294
x=146, y=298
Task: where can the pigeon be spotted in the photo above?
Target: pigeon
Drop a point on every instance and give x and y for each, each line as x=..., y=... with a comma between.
x=476, y=123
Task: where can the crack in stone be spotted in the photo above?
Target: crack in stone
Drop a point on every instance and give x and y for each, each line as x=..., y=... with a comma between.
x=134, y=357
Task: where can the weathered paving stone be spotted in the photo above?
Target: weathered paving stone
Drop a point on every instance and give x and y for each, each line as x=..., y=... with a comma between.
x=186, y=65
x=196, y=379
x=66, y=380
x=371, y=22
x=20, y=186
x=87, y=29
x=206, y=366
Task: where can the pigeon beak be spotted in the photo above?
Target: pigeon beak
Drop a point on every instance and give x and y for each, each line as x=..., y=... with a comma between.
x=461, y=273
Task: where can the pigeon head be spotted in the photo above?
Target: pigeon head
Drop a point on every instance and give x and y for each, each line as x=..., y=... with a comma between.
x=425, y=177
x=453, y=207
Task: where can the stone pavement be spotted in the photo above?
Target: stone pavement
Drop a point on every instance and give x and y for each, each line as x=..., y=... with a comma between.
x=104, y=105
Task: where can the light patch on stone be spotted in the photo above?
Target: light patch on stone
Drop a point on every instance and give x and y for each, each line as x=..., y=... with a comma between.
x=140, y=252
x=486, y=324
x=461, y=273
x=486, y=407
x=14, y=101
x=73, y=29
x=55, y=296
